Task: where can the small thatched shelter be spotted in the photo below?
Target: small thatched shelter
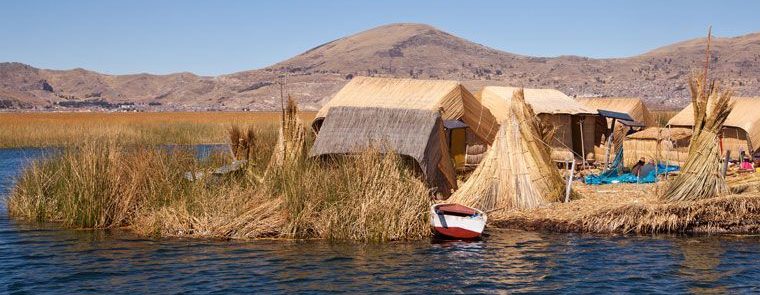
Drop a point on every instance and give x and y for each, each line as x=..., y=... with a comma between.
x=668, y=145
x=576, y=125
x=425, y=120
x=618, y=129
x=417, y=134
x=741, y=131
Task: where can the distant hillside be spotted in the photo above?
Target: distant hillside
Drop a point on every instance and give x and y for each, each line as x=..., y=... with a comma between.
x=402, y=50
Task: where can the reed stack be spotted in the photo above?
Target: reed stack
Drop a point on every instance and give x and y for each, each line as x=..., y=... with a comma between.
x=701, y=175
x=517, y=171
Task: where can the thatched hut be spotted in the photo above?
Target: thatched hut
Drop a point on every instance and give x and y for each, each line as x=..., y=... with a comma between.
x=741, y=131
x=576, y=126
x=431, y=121
x=618, y=129
x=667, y=145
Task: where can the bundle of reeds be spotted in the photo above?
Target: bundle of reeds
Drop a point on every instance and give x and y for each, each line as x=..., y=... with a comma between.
x=701, y=176
x=242, y=143
x=292, y=137
x=517, y=172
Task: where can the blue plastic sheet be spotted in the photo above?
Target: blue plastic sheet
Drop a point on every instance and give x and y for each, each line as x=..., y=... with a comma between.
x=614, y=175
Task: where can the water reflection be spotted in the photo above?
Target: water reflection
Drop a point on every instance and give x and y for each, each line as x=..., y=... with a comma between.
x=701, y=258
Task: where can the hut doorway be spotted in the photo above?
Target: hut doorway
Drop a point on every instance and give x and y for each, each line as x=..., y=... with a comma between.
x=456, y=133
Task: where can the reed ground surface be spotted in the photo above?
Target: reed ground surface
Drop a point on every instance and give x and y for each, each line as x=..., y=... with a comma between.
x=639, y=209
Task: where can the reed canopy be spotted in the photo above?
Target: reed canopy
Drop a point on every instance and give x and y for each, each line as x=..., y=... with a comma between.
x=577, y=128
x=740, y=132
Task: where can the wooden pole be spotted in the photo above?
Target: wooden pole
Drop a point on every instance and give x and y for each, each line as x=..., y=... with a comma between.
x=609, y=145
x=725, y=162
x=569, y=182
x=673, y=147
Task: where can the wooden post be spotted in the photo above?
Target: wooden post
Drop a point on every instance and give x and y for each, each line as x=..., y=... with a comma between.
x=673, y=147
x=725, y=162
x=583, y=146
x=609, y=145
x=569, y=182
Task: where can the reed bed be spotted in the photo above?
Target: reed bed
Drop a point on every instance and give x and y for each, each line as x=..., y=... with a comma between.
x=636, y=209
x=66, y=129
x=107, y=183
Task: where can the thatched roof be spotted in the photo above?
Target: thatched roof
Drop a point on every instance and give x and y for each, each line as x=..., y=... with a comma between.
x=449, y=98
x=543, y=101
x=634, y=107
x=414, y=133
x=744, y=115
x=655, y=133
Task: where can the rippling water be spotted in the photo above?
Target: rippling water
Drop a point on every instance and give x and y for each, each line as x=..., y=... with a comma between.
x=46, y=259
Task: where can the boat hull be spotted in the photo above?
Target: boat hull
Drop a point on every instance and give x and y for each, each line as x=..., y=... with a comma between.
x=457, y=226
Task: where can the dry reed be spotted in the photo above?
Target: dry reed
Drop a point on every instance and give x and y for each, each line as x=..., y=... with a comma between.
x=291, y=138
x=107, y=184
x=701, y=176
x=64, y=129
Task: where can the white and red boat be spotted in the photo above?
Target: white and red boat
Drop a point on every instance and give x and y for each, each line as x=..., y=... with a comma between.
x=455, y=221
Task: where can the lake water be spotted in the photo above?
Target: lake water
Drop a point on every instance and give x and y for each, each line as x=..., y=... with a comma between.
x=45, y=259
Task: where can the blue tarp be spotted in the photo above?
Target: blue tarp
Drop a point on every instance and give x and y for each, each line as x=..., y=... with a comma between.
x=614, y=175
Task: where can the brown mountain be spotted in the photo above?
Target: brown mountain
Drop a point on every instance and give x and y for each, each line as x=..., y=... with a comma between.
x=402, y=50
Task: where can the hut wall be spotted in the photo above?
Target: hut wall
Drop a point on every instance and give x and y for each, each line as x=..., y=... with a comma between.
x=562, y=143
x=735, y=140
x=563, y=135
x=590, y=136
x=672, y=152
x=475, y=152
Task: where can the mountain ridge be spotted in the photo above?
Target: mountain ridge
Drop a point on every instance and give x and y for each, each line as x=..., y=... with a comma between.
x=394, y=50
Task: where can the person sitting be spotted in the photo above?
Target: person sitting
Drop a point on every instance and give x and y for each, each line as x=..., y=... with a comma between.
x=646, y=169
x=636, y=167
x=746, y=164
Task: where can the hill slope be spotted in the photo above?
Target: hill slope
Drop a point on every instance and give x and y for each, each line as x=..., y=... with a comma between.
x=402, y=50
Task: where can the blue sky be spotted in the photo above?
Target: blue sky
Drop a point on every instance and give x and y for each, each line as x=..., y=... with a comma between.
x=219, y=37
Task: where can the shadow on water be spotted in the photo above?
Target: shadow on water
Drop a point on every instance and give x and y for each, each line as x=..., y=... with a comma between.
x=38, y=258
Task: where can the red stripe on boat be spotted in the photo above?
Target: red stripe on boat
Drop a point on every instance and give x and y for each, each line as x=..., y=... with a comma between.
x=457, y=233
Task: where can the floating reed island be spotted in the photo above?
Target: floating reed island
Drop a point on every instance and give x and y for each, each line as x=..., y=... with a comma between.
x=383, y=150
